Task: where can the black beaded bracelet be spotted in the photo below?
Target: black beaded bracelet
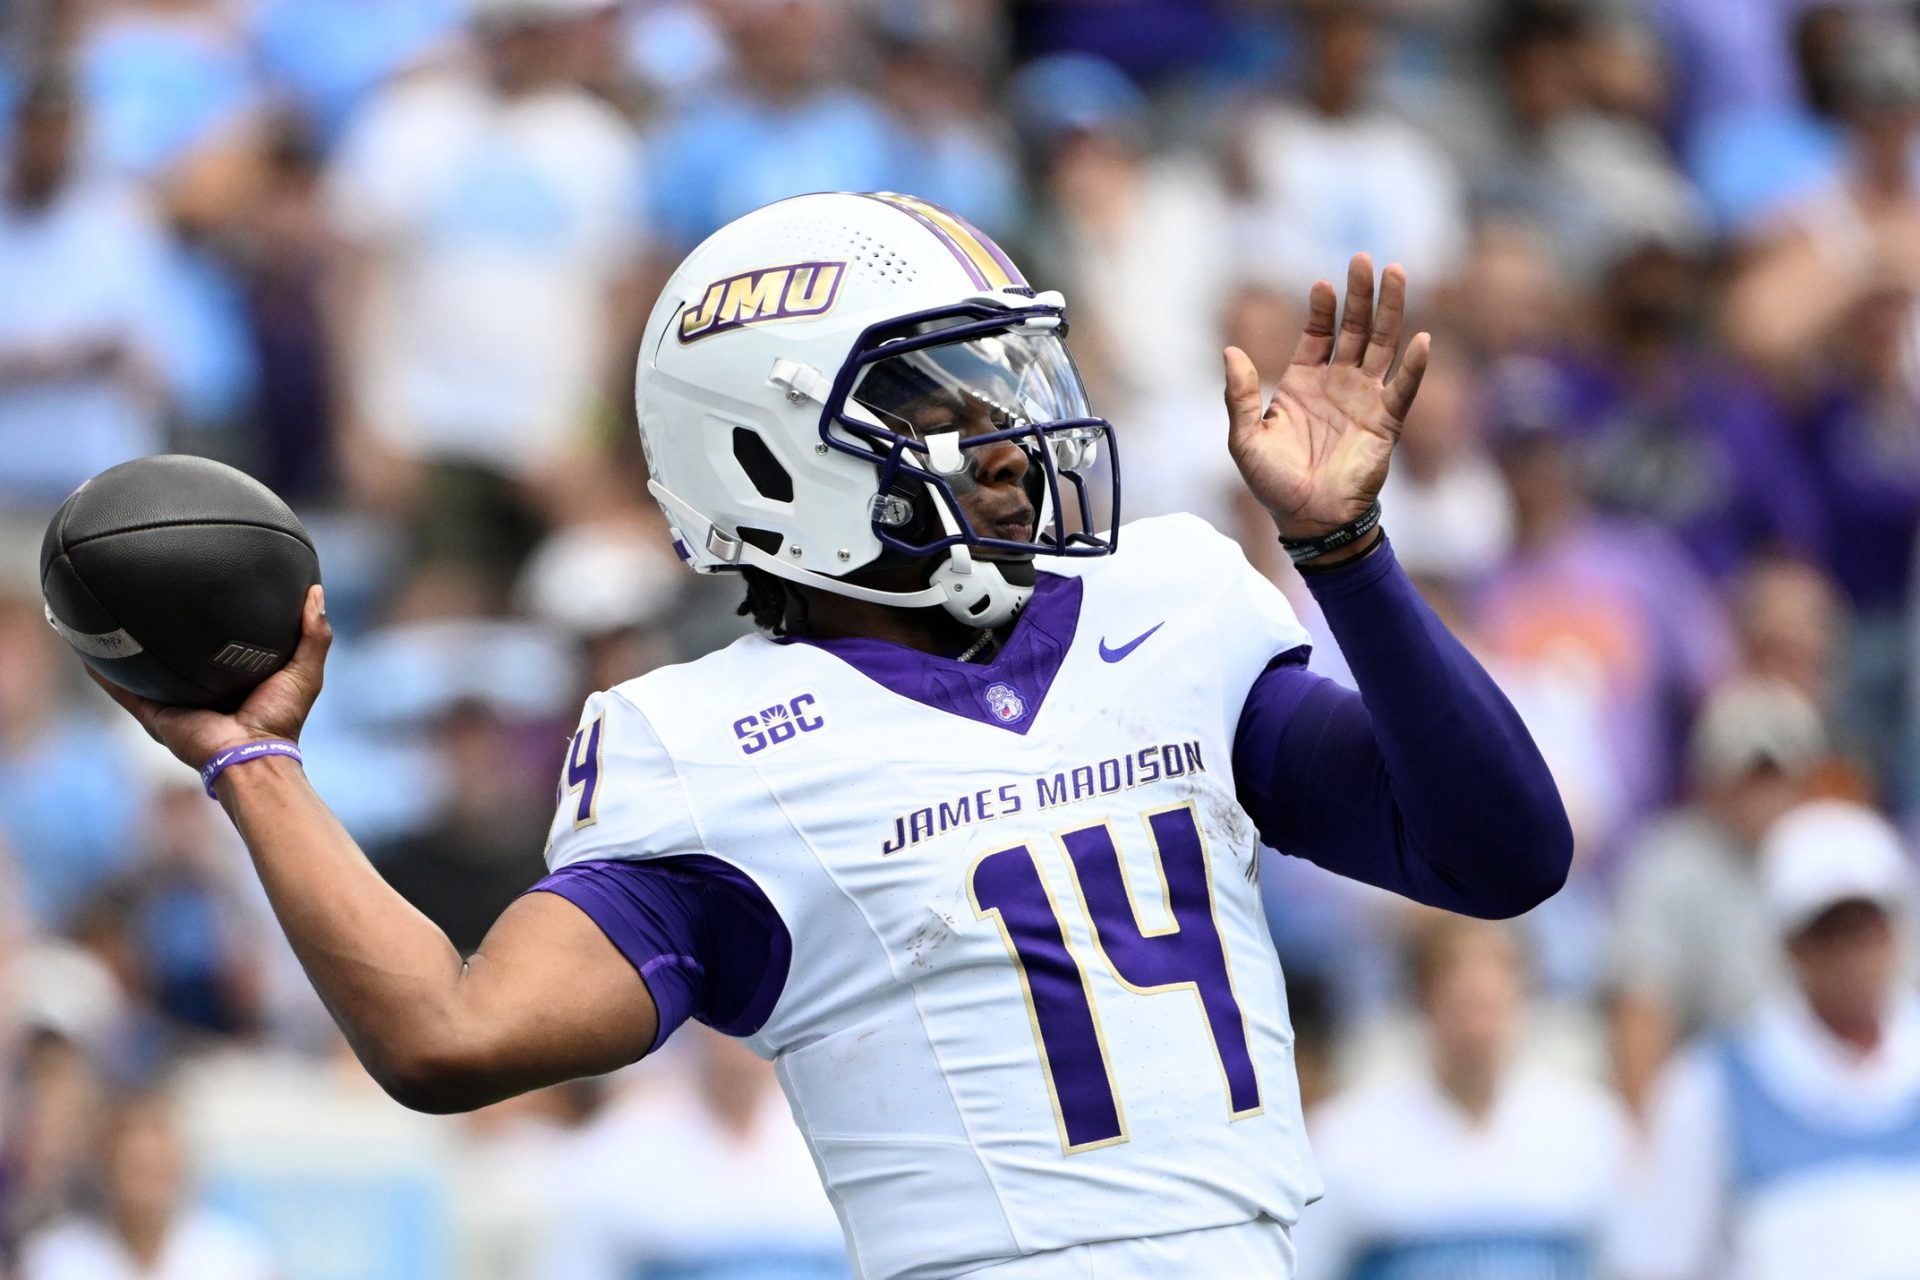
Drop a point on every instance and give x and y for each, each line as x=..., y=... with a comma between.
x=1304, y=550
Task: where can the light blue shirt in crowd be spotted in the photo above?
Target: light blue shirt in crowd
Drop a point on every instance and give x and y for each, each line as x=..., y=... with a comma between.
x=332, y=53
x=89, y=266
x=1774, y=1140
x=154, y=88
x=67, y=808
x=727, y=154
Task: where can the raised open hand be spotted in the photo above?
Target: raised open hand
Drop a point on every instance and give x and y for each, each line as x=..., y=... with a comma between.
x=1317, y=456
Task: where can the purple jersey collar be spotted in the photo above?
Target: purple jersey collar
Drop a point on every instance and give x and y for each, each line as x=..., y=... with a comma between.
x=1007, y=692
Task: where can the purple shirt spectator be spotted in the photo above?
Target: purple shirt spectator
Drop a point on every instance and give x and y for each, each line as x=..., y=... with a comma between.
x=1620, y=606
x=1864, y=453
x=1698, y=448
x=1148, y=38
x=1731, y=57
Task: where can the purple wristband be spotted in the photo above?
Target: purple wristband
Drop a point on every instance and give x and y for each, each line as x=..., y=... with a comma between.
x=225, y=760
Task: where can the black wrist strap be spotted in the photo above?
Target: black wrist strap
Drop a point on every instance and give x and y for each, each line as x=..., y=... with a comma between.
x=1306, y=550
x=1321, y=569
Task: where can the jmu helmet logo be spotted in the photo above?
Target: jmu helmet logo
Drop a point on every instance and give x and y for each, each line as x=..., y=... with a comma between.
x=1006, y=704
x=769, y=293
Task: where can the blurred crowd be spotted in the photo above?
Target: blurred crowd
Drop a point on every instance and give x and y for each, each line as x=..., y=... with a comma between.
x=393, y=257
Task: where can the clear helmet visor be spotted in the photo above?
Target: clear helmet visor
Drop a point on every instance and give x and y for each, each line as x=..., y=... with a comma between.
x=956, y=397
x=951, y=409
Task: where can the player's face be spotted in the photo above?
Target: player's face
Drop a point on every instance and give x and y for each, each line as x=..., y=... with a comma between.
x=991, y=491
x=960, y=393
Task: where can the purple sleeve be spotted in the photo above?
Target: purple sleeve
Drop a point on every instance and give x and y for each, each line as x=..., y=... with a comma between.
x=700, y=932
x=1425, y=782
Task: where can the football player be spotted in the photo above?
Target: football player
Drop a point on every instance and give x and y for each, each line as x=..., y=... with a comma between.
x=966, y=838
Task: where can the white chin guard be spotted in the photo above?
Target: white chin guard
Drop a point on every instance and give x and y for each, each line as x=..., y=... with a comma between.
x=976, y=592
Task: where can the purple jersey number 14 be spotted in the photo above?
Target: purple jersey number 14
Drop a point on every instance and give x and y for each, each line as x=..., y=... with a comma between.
x=1007, y=885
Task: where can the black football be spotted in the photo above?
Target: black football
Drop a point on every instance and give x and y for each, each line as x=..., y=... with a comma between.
x=178, y=578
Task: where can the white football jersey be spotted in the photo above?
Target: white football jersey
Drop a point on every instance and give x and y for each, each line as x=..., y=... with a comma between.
x=1032, y=1000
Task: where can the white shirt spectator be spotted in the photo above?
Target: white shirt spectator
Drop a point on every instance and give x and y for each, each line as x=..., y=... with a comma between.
x=201, y=1246
x=1780, y=1154
x=1691, y=927
x=1147, y=282
x=82, y=273
x=1416, y=1188
x=1326, y=187
x=1455, y=524
x=497, y=226
x=708, y=1201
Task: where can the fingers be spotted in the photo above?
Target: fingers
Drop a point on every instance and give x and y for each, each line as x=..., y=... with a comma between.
x=1356, y=320
x=1316, y=340
x=1243, y=393
x=278, y=707
x=1398, y=398
x=1243, y=388
x=316, y=637
x=1383, y=343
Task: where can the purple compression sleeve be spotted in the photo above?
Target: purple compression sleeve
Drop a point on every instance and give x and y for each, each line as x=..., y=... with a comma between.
x=1425, y=782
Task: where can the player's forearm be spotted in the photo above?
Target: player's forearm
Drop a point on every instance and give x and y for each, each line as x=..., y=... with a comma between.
x=1426, y=783
x=386, y=973
x=1478, y=802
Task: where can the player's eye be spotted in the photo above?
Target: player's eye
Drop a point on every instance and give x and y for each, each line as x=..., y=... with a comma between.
x=988, y=420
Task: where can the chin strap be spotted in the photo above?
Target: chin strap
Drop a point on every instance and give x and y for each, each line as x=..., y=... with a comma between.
x=974, y=590
x=736, y=552
x=959, y=584
x=966, y=590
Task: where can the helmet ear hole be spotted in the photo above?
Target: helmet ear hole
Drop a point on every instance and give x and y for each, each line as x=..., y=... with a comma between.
x=770, y=480
x=764, y=539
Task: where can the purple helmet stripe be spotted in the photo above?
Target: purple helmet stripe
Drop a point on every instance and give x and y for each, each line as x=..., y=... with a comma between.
x=985, y=264
x=986, y=242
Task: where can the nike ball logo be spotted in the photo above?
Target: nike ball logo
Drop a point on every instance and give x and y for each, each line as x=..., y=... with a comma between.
x=1114, y=655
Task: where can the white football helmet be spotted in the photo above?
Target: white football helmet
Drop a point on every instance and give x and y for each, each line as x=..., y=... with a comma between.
x=814, y=382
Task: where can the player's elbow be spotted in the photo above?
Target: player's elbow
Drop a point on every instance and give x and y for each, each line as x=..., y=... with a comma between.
x=428, y=1093
x=435, y=1078
x=1535, y=869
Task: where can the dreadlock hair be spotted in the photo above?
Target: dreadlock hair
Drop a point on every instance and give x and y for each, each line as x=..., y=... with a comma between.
x=775, y=607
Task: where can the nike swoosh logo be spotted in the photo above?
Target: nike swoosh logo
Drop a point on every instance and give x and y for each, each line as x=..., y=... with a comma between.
x=1114, y=655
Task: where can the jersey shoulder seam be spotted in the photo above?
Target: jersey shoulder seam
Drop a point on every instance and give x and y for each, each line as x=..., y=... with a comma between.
x=679, y=779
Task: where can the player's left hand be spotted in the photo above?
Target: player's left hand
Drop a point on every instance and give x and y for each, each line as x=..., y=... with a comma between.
x=1317, y=456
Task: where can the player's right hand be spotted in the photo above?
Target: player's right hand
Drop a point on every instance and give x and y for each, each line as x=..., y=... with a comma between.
x=277, y=707
x=1317, y=456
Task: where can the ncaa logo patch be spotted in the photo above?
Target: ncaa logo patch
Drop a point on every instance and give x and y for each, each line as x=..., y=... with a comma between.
x=1006, y=704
